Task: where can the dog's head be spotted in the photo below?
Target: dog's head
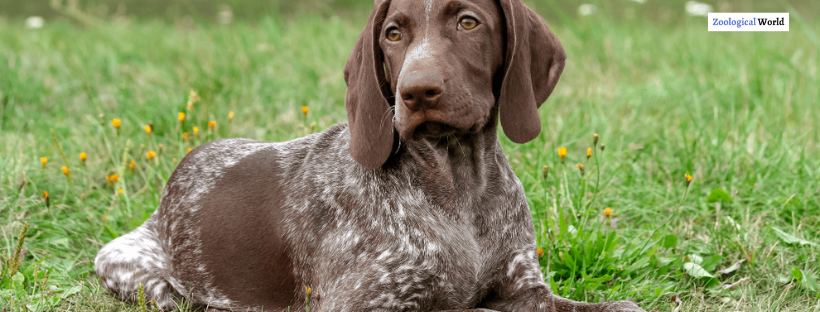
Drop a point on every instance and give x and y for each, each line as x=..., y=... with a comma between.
x=430, y=68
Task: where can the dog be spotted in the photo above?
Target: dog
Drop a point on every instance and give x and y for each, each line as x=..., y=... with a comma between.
x=412, y=206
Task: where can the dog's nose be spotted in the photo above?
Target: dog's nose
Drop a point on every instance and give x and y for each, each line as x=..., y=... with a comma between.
x=421, y=90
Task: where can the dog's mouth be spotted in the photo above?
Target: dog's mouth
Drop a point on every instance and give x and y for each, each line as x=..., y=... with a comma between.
x=435, y=130
x=446, y=120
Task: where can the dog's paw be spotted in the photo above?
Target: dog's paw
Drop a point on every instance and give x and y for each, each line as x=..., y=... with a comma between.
x=622, y=306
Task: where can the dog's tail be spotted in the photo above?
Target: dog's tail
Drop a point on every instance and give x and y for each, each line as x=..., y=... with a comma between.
x=137, y=258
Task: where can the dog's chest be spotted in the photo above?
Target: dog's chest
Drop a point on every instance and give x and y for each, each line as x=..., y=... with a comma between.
x=410, y=261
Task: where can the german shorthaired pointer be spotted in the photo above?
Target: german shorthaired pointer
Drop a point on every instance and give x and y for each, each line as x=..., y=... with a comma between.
x=411, y=207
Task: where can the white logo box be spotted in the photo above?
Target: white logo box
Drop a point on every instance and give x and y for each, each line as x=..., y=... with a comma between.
x=748, y=21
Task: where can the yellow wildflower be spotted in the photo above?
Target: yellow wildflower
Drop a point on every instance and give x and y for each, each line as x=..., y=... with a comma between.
x=45, y=195
x=540, y=252
x=132, y=165
x=607, y=212
x=150, y=155
x=148, y=129
x=230, y=115
x=116, y=122
x=589, y=152
x=65, y=170
x=688, y=179
x=305, y=110
x=562, y=153
x=581, y=168
x=307, y=290
x=113, y=178
x=212, y=124
x=181, y=117
x=189, y=150
x=185, y=136
x=196, y=130
x=83, y=156
x=43, y=160
x=121, y=191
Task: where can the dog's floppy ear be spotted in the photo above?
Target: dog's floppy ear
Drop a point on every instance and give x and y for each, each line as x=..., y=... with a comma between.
x=368, y=112
x=534, y=62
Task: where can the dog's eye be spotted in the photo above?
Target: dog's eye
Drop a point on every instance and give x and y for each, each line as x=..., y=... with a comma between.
x=467, y=23
x=393, y=35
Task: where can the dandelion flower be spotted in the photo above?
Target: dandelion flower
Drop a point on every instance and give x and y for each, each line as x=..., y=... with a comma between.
x=587, y=9
x=113, y=178
x=212, y=124
x=581, y=168
x=43, y=160
x=540, y=252
x=688, y=179
x=34, y=22
x=150, y=155
x=45, y=195
x=305, y=110
x=695, y=8
x=196, y=130
x=589, y=152
x=562, y=153
x=121, y=191
x=132, y=165
x=594, y=139
x=65, y=170
x=147, y=129
x=230, y=115
x=83, y=156
x=545, y=172
x=307, y=290
x=189, y=150
x=607, y=212
x=185, y=136
x=181, y=117
x=116, y=122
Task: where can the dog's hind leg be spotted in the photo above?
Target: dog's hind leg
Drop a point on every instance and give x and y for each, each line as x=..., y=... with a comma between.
x=133, y=259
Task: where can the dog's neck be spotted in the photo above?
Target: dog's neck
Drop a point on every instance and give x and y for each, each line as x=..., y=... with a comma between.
x=453, y=168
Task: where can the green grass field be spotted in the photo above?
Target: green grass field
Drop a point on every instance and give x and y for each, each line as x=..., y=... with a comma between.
x=737, y=111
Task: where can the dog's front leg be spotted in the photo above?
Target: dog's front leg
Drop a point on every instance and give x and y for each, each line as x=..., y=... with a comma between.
x=468, y=310
x=522, y=288
x=542, y=299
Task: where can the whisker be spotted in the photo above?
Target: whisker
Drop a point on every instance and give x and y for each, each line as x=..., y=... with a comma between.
x=463, y=155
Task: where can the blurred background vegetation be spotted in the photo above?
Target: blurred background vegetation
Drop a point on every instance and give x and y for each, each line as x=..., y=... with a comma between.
x=204, y=11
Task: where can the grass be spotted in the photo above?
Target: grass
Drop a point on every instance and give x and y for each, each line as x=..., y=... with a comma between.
x=737, y=111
